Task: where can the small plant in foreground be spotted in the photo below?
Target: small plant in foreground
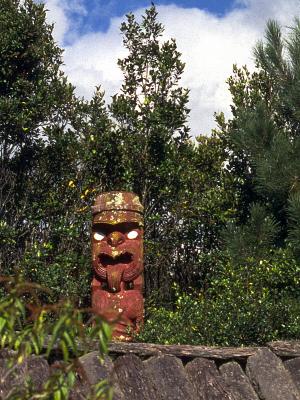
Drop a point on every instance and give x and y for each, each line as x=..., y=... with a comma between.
x=28, y=327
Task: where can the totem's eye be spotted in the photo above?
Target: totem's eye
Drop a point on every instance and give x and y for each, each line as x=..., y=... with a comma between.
x=98, y=236
x=132, y=235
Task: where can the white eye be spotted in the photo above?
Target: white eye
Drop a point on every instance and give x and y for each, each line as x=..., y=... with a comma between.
x=98, y=236
x=132, y=235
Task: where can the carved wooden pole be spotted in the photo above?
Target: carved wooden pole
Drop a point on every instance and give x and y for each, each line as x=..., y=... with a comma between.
x=117, y=259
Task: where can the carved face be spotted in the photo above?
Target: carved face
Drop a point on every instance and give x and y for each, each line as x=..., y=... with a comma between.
x=117, y=251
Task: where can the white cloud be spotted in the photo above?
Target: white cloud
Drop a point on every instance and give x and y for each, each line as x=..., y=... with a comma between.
x=56, y=14
x=258, y=11
x=209, y=46
x=92, y=61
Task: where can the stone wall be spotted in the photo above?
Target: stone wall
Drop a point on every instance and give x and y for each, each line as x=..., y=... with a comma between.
x=140, y=371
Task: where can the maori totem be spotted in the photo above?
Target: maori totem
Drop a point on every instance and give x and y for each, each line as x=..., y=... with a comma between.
x=117, y=259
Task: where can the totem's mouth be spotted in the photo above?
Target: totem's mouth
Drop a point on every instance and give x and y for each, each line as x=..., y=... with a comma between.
x=112, y=267
x=106, y=260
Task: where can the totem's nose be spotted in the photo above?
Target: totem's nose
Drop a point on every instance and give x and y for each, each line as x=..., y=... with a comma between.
x=115, y=239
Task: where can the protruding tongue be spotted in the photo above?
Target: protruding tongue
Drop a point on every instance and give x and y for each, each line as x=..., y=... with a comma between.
x=114, y=277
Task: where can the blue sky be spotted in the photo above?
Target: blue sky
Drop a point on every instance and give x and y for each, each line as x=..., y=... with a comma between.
x=211, y=35
x=98, y=13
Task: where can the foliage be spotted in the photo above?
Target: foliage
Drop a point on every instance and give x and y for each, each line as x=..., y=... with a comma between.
x=76, y=149
x=151, y=114
x=246, y=304
x=58, y=151
x=25, y=328
x=251, y=293
x=38, y=152
x=264, y=133
x=254, y=238
x=179, y=182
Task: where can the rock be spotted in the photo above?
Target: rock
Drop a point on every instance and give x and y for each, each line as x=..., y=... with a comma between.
x=237, y=381
x=293, y=366
x=34, y=371
x=269, y=377
x=92, y=369
x=169, y=378
x=284, y=348
x=134, y=381
x=207, y=381
x=90, y=372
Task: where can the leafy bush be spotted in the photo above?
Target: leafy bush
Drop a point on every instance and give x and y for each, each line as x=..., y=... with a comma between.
x=245, y=304
x=67, y=274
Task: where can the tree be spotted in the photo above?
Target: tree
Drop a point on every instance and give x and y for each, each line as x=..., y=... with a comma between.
x=160, y=162
x=264, y=134
x=151, y=120
x=38, y=148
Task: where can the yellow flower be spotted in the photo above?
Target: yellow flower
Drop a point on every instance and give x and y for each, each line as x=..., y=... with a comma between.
x=82, y=209
x=71, y=184
x=20, y=359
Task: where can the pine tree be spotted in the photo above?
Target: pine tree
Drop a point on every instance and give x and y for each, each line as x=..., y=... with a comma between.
x=264, y=135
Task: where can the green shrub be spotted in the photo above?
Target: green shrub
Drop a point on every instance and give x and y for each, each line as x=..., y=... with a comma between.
x=244, y=304
x=66, y=274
